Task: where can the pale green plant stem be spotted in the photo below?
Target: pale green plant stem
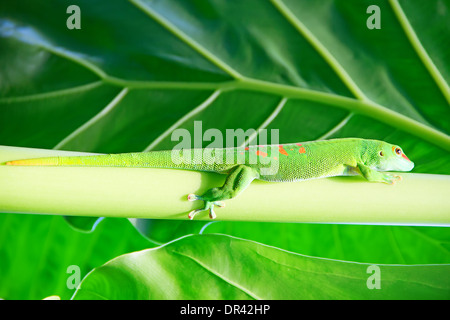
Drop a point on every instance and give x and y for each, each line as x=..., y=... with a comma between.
x=420, y=199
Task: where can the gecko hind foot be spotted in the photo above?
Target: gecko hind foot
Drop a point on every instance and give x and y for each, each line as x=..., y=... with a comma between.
x=212, y=214
x=209, y=205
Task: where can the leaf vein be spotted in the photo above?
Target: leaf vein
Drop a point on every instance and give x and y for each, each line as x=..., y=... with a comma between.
x=94, y=119
x=217, y=274
x=52, y=94
x=183, y=119
x=268, y=121
x=320, y=48
x=336, y=128
x=420, y=50
x=186, y=39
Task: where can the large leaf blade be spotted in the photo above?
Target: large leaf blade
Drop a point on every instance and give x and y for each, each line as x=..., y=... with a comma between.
x=36, y=253
x=232, y=268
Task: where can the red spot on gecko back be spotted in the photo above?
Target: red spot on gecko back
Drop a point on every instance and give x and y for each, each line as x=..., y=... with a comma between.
x=302, y=150
x=281, y=150
x=261, y=153
x=299, y=144
x=246, y=148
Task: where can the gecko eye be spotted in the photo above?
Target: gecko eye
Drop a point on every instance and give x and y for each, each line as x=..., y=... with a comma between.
x=398, y=151
x=381, y=153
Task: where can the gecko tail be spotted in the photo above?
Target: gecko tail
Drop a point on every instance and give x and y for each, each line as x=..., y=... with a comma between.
x=50, y=161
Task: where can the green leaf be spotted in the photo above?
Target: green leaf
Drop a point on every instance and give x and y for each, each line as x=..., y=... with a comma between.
x=232, y=268
x=36, y=252
x=370, y=244
x=362, y=243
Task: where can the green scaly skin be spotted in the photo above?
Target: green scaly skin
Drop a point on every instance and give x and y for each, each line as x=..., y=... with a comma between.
x=281, y=163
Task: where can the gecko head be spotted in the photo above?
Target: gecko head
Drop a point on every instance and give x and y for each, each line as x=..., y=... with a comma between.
x=390, y=157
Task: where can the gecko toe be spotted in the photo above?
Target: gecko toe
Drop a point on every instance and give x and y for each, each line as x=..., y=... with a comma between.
x=192, y=197
x=395, y=179
x=212, y=214
x=192, y=214
x=220, y=204
x=209, y=206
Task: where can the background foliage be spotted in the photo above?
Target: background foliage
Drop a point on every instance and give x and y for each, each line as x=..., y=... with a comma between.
x=139, y=69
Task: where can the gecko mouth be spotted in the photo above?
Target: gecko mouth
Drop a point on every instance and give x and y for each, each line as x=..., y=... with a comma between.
x=407, y=166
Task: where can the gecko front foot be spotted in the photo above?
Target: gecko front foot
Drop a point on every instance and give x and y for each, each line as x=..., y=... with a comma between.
x=209, y=205
x=391, y=179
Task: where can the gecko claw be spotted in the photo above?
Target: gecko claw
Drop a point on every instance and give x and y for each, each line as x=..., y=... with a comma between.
x=192, y=197
x=192, y=214
x=212, y=214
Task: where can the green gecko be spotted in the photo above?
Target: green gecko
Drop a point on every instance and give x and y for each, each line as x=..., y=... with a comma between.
x=277, y=163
